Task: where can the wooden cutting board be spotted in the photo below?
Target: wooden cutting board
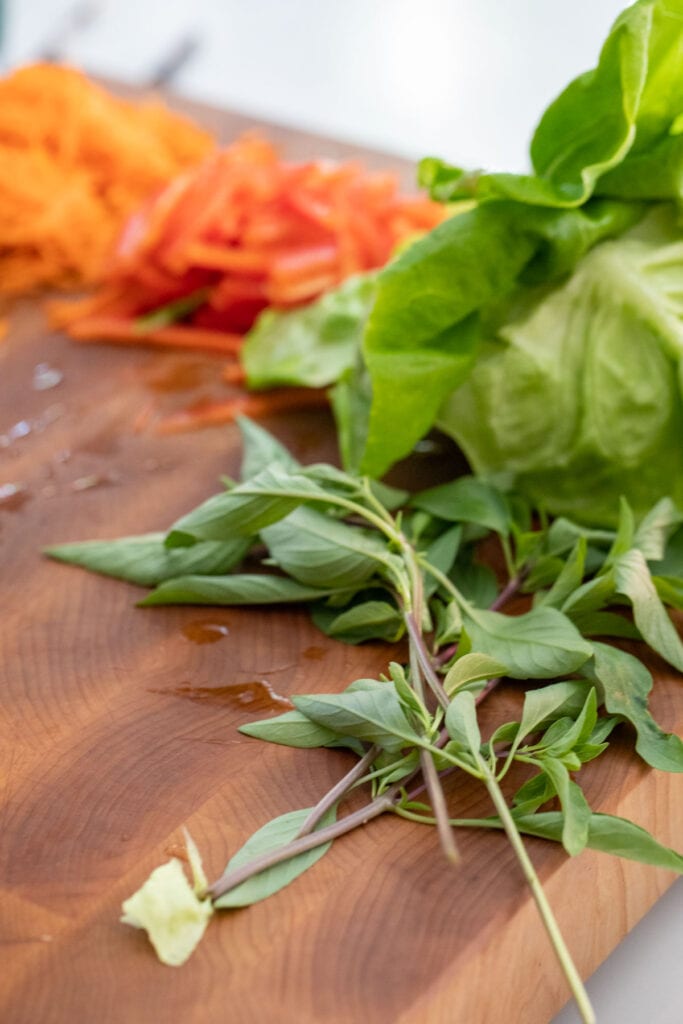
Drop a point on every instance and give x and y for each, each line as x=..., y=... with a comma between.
x=119, y=727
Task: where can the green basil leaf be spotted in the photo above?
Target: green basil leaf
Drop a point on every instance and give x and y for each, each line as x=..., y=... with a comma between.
x=537, y=645
x=672, y=562
x=626, y=531
x=605, y=624
x=318, y=550
x=576, y=813
x=472, y=668
x=146, y=560
x=251, y=506
x=634, y=581
x=569, y=579
x=461, y=722
x=467, y=500
x=374, y=715
x=276, y=833
x=577, y=733
x=442, y=554
x=368, y=620
x=293, y=729
x=476, y=582
x=656, y=528
x=609, y=834
x=532, y=794
x=237, y=589
x=447, y=623
x=550, y=703
x=669, y=590
x=590, y=596
x=626, y=684
x=261, y=450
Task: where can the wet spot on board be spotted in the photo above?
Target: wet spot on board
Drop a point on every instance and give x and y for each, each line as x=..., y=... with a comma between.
x=314, y=653
x=257, y=695
x=205, y=631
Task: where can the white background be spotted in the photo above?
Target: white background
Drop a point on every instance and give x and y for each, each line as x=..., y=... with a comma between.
x=464, y=79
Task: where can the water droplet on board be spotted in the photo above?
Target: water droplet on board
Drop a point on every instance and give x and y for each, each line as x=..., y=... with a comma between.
x=46, y=377
x=13, y=497
x=204, y=631
x=256, y=696
x=23, y=428
x=86, y=483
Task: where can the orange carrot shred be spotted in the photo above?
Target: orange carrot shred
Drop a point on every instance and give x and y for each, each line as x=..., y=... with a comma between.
x=127, y=332
x=75, y=162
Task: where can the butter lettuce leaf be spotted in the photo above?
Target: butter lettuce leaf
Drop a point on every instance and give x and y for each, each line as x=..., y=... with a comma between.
x=580, y=396
x=542, y=327
x=614, y=131
x=432, y=305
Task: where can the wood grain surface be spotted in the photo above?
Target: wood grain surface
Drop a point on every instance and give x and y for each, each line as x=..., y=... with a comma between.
x=119, y=727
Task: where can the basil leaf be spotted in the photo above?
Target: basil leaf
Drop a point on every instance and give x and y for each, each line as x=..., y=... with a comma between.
x=320, y=551
x=576, y=733
x=472, y=668
x=237, y=589
x=537, y=645
x=146, y=560
x=532, y=794
x=374, y=715
x=293, y=729
x=607, y=833
x=633, y=580
x=369, y=620
x=476, y=582
x=605, y=624
x=626, y=683
x=467, y=500
x=251, y=506
x=576, y=813
x=276, y=833
x=656, y=528
x=442, y=553
x=549, y=703
x=669, y=590
x=461, y=722
x=568, y=580
x=590, y=596
x=261, y=450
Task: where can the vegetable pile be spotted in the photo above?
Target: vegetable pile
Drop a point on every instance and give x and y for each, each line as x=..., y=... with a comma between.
x=74, y=163
x=542, y=328
x=244, y=231
x=370, y=572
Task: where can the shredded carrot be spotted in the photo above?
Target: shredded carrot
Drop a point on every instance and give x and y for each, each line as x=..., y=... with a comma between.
x=75, y=162
x=253, y=405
